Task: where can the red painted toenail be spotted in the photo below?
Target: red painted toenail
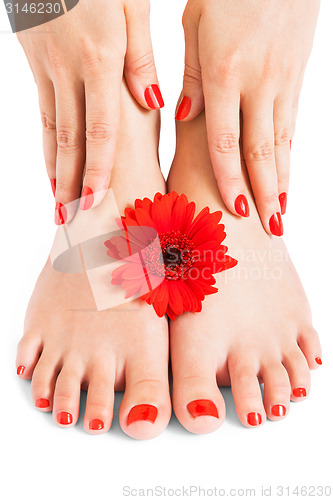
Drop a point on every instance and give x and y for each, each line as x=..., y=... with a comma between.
x=279, y=410
x=20, y=370
x=96, y=424
x=318, y=361
x=254, y=418
x=299, y=392
x=242, y=206
x=42, y=403
x=87, y=198
x=202, y=407
x=64, y=418
x=146, y=413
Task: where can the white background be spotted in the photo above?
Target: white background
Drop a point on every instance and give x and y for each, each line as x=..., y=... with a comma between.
x=44, y=461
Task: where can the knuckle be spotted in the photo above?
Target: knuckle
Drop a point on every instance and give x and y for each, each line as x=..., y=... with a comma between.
x=48, y=122
x=96, y=170
x=269, y=198
x=98, y=133
x=143, y=65
x=226, y=72
x=282, y=138
x=67, y=140
x=225, y=143
x=56, y=60
x=261, y=153
x=192, y=75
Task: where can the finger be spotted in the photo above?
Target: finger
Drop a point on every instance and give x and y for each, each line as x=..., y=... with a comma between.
x=140, y=71
x=282, y=134
x=191, y=101
x=48, y=116
x=258, y=137
x=70, y=112
x=102, y=120
x=223, y=130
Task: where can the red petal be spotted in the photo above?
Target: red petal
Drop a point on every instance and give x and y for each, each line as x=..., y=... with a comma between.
x=175, y=298
x=178, y=214
x=143, y=218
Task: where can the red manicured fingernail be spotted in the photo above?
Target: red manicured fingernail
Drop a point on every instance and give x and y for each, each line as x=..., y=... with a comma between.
x=147, y=413
x=283, y=198
x=60, y=214
x=87, y=198
x=279, y=410
x=276, y=224
x=299, y=392
x=154, y=97
x=96, y=424
x=290, y=143
x=64, y=418
x=20, y=370
x=242, y=206
x=254, y=418
x=184, y=108
x=42, y=403
x=53, y=185
x=202, y=407
x=318, y=361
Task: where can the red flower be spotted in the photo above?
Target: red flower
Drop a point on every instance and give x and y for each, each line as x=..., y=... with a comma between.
x=170, y=256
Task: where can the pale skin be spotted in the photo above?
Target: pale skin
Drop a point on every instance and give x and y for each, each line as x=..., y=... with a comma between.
x=78, y=62
x=67, y=344
x=249, y=57
x=240, y=56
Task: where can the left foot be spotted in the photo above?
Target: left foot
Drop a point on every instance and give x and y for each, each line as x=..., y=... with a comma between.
x=257, y=328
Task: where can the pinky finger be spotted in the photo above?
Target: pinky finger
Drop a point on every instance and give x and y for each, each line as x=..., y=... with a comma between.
x=48, y=115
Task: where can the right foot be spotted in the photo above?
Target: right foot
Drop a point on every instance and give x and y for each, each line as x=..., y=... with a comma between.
x=257, y=328
x=67, y=344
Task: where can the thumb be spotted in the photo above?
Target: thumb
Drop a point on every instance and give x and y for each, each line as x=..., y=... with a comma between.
x=191, y=102
x=140, y=71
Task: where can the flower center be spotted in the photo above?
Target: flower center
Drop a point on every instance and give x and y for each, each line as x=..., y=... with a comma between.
x=177, y=256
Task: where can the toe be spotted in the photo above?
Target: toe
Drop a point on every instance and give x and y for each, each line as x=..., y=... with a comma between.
x=299, y=374
x=197, y=400
x=43, y=382
x=246, y=391
x=100, y=400
x=309, y=343
x=28, y=352
x=66, y=400
x=146, y=407
x=276, y=390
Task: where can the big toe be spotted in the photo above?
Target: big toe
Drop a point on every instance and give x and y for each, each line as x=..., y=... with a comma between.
x=145, y=410
x=197, y=400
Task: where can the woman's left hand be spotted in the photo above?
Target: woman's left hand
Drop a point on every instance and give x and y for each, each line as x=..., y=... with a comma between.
x=248, y=56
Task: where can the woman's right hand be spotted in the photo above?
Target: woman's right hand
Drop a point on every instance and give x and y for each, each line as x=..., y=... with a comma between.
x=78, y=62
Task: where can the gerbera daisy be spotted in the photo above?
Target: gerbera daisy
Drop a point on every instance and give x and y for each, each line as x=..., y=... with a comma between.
x=169, y=255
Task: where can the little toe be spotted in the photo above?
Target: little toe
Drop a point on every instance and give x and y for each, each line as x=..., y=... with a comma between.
x=100, y=401
x=197, y=400
x=309, y=343
x=246, y=391
x=66, y=402
x=145, y=410
x=299, y=374
x=276, y=390
x=43, y=382
x=28, y=352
